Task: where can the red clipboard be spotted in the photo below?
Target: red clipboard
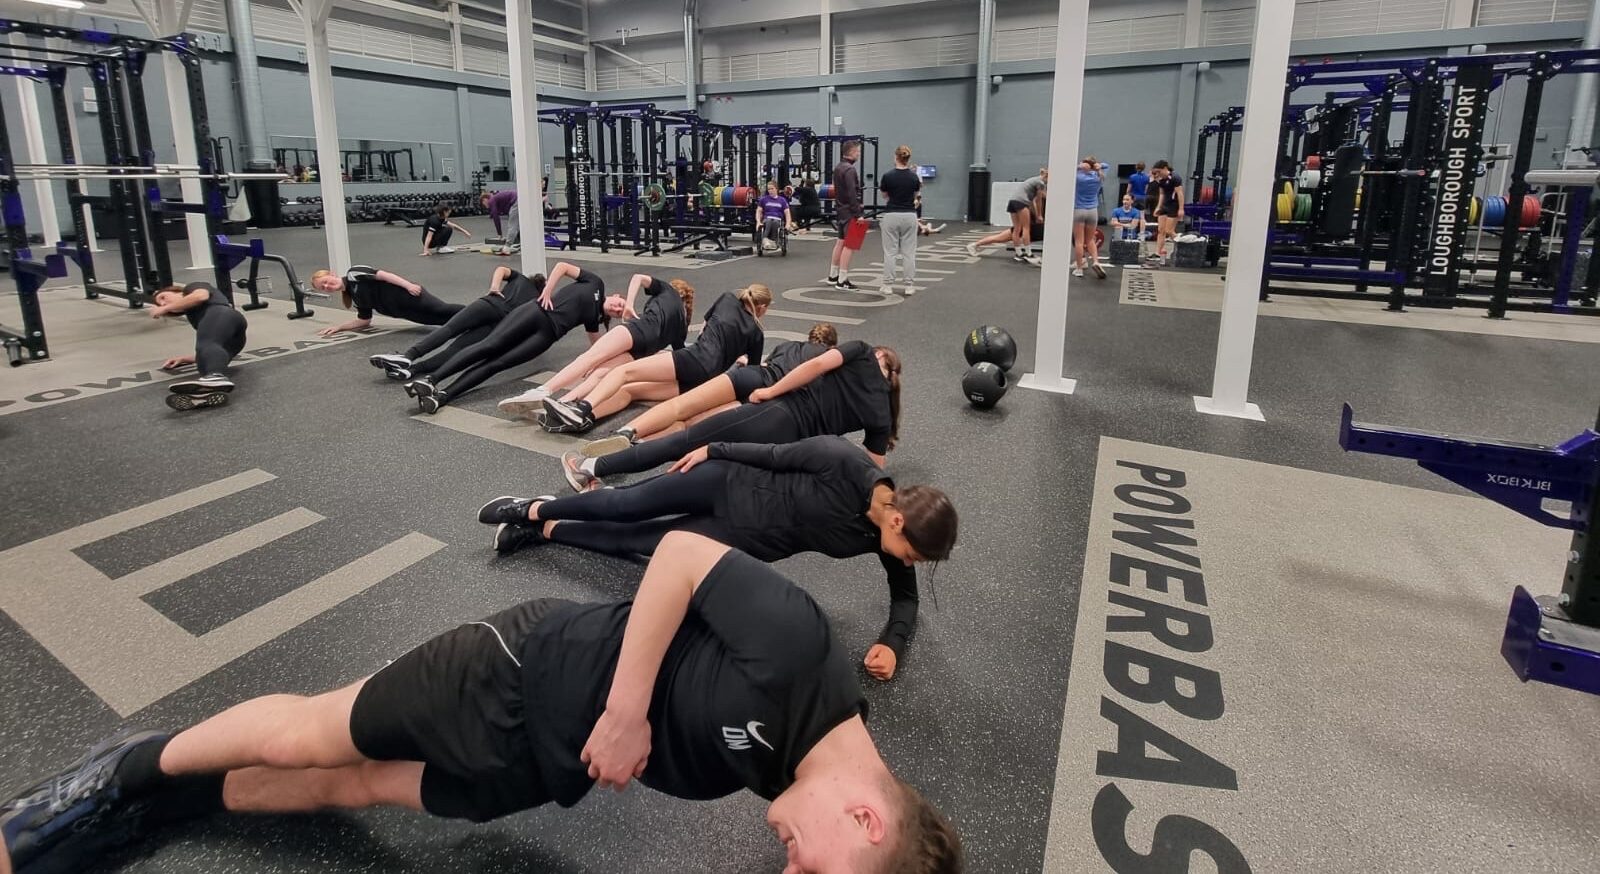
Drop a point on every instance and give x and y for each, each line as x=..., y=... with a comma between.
x=855, y=234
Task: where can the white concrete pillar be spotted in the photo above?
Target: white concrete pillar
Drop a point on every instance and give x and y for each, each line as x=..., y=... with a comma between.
x=1194, y=23
x=525, y=133
x=314, y=13
x=1460, y=14
x=825, y=41
x=1247, y=253
x=1066, y=109
x=33, y=138
x=183, y=137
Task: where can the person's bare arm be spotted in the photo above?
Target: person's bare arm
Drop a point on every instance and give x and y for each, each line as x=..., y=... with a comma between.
x=396, y=279
x=352, y=325
x=182, y=305
x=635, y=285
x=619, y=747
x=800, y=376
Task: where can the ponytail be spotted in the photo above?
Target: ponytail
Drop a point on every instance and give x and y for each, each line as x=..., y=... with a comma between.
x=891, y=360
x=755, y=296
x=823, y=334
x=686, y=294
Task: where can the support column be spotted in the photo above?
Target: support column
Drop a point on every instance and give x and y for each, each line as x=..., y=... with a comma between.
x=978, y=173
x=1186, y=117
x=1263, y=105
x=589, y=83
x=1581, y=132
x=825, y=40
x=458, y=59
x=525, y=133
x=33, y=136
x=1194, y=24
x=467, y=155
x=1066, y=110
x=1460, y=14
x=691, y=69
x=314, y=13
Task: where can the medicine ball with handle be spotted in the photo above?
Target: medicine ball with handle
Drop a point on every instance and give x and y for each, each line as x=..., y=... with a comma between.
x=984, y=385
x=991, y=344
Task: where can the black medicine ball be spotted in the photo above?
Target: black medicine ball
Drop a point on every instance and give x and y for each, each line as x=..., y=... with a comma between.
x=991, y=344
x=984, y=385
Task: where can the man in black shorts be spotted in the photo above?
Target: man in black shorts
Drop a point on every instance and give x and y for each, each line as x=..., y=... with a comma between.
x=1169, y=206
x=720, y=675
x=847, y=207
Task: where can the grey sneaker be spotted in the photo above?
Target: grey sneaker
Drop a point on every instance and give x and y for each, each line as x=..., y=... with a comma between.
x=571, y=467
x=203, y=385
x=389, y=360
x=608, y=445
x=972, y=250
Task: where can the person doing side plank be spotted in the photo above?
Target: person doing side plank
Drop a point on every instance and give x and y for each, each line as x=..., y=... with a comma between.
x=508, y=290
x=817, y=495
x=371, y=290
x=719, y=675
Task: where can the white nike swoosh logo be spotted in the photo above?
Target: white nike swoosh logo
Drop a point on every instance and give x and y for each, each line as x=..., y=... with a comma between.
x=751, y=727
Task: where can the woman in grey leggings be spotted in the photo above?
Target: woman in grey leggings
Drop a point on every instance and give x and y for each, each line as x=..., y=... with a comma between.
x=897, y=223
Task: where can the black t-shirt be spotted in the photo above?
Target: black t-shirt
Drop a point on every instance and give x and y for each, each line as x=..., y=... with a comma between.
x=730, y=331
x=790, y=354
x=900, y=187
x=434, y=225
x=752, y=680
x=214, y=298
x=519, y=289
x=852, y=397
x=807, y=198
x=663, y=321
x=1168, y=186
x=580, y=302
x=370, y=294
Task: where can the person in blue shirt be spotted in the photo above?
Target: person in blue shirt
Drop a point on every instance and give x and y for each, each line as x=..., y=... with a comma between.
x=774, y=215
x=1139, y=186
x=1086, y=216
x=1127, y=220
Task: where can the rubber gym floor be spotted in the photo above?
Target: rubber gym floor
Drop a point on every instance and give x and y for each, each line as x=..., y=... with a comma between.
x=156, y=567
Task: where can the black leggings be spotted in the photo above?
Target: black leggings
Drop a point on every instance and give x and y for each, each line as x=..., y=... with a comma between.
x=769, y=422
x=218, y=337
x=633, y=519
x=424, y=309
x=441, y=237
x=469, y=325
x=520, y=337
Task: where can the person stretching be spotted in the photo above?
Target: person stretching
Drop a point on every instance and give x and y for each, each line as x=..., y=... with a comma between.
x=508, y=290
x=502, y=207
x=1169, y=206
x=817, y=495
x=522, y=336
x=855, y=387
x=1086, y=216
x=437, y=229
x=370, y=290
x=219, y=332
x=732, y=331
x=718, y=394
x=847, y=207
x=663, y=324
x=1025, y=208
x=719, y=675
x=773, y=217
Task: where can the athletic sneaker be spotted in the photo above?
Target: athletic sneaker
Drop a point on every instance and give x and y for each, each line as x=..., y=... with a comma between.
x=1099, y=272
x=580, y=480
x=617, y=442
x=939, y=228
x=1018, y=257
x=68, y=821
x=972, y=250
x=203, y=385
x=910, y=290
x=184, y=403
x=510, y=538
x=552, y=425
x=507, y=508
x=845, y=284
x=1032, y=261
x=1077, y=273
x=886, y=290
x=397, y=373
x=530, y=401
x=430, y=404
x=421, y=387
x=577, y=413
x=390, y=360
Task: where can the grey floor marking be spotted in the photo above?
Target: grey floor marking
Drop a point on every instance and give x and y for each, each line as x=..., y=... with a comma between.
x=129, y=653
x=512, y=432
x=814, y=317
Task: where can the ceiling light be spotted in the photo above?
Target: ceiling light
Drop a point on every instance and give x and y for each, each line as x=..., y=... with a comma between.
x=64, y=4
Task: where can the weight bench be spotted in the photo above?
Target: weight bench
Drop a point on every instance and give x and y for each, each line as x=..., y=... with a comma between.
x=716, y=235
x=409, y=214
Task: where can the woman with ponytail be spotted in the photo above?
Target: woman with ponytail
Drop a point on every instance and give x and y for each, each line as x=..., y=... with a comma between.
x=663, y=323
x=732, y=331
x=855, y=387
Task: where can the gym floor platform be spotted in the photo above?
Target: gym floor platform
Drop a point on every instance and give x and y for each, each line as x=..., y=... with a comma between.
x=156, y=567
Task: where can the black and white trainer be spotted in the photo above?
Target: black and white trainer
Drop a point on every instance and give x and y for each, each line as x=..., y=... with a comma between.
x=185, y=403
x=202, y=385
x=510, y=537
x=508, y=508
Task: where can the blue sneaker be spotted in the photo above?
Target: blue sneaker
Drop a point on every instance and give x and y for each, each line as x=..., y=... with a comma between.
x=71, y=819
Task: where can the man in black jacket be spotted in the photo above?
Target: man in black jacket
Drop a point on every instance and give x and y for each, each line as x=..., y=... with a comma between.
x=847, y=207
x=821, y=494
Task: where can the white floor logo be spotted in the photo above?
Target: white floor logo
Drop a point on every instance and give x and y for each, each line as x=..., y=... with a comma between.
x=128, y=652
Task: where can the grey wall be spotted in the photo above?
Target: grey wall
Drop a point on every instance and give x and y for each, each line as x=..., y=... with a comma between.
x=933, y=118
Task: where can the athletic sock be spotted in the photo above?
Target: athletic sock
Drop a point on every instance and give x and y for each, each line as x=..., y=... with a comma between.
x=182, y=797
x=833, y=271
x=588, y=466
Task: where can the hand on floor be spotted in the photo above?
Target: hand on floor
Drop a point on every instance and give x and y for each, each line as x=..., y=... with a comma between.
x=175, y=363
x=881, y=662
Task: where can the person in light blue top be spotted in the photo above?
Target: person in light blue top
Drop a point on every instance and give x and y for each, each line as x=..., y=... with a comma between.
x=1127, y=220
x=1086, y=216
x=1139, y=185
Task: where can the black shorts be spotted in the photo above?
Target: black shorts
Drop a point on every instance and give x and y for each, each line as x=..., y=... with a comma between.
x=747, y=379
x=690, y=372
x=1168, y=211
x=455, y=704
x=645, y=342
x=1017, y=206
x=840, y=225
